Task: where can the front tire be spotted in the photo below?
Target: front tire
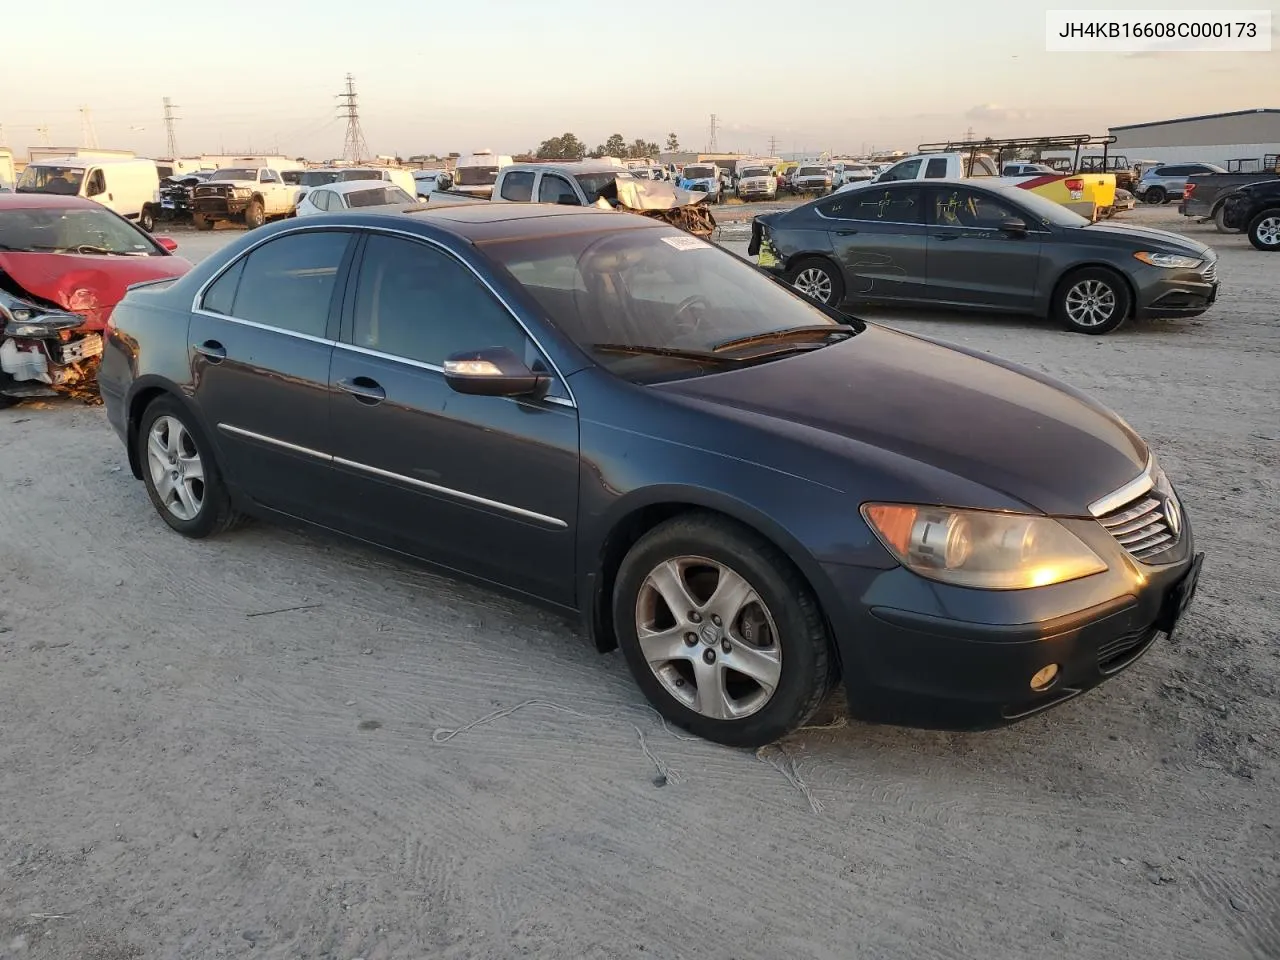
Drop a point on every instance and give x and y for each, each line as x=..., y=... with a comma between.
x=818, y=279
x=178, y=467
x=760, y=661
x=201, y=222
x=147, y=219
x=1264, y=230
x=1093, y=301
x=1155, y=196
x=254, y=215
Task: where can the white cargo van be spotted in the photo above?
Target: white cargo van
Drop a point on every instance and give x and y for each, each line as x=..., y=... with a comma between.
x=129, y=187
x=7, y=175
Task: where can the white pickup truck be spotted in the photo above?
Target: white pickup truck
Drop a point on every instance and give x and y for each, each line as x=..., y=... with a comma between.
x=1091, y=195
x=248, y=195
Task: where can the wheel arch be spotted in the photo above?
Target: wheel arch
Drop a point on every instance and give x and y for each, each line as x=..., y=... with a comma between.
x=634, y=517
x=144, y=392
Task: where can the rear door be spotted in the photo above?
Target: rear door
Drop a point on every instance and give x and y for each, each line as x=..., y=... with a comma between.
x=261, y=340
x=972, y=262
x=878, y=237
x=486, y=485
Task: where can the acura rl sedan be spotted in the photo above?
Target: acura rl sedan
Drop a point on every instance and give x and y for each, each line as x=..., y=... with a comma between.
x=752, y=495
x=959, y=244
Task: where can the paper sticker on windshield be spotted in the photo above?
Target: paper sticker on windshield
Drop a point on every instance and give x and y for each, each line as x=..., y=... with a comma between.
x=685, y=243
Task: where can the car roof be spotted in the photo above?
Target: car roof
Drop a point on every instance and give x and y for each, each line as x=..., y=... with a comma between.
x=45, y=201
x=355, y=186
x=577, y=166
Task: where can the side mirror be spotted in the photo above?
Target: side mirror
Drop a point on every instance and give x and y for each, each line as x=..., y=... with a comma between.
x=168, y=243
x=1014, y=226
x=494, y=372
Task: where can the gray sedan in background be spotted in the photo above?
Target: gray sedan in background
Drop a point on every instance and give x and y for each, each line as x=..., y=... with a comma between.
x=954, y=243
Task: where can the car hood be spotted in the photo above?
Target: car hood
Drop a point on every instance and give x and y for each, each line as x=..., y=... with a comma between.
x=1149, y=236
x=83, y=284
x=990, y=422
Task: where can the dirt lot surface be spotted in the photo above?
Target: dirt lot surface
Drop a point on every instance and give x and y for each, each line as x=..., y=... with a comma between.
x=244, y=747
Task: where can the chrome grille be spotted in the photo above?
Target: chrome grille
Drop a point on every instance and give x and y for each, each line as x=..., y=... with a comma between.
x=1141, y=527
x=1211, y=272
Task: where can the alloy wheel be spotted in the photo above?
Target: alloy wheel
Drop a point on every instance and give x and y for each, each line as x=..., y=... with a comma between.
x=177, y=472
x=708, y=637
x=1090, y=303
x=814, y=283
x=1269, y=232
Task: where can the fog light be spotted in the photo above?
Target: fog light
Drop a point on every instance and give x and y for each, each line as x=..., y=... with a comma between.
x=1043, y=679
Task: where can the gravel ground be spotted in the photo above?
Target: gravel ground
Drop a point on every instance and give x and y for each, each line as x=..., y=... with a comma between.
x=240, y=747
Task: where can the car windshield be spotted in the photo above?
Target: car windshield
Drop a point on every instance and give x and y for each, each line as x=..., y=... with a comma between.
x=1045, y=210
x=595, y=184
x=477, y=176
x=91, y=232
x=235, y=173
x=654, y=303
x=754, y=172
x=316, y=178
x=696, y=173
x=810, y=172
x=64, y=181
x=378, y=197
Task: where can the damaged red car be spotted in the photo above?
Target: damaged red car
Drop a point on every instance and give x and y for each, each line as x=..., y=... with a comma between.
x=65, y=262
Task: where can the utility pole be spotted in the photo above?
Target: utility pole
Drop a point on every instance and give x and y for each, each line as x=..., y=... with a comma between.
x=773, y=146
x=711, y=143
x=968, y=134
x=88, y=137
x=354, y=149
x=42, y=132
x=169, y=119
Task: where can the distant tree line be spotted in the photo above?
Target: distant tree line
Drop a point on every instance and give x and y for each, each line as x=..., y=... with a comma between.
x=569, y=147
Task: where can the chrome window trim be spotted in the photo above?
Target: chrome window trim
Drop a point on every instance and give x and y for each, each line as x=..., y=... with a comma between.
x=450, y=492
x=1135, y=488
x=199, y=295
x=399, y=477
x=264, y=326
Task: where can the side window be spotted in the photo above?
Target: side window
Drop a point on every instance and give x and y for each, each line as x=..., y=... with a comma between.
x=937, y=168
x=222, y=294
x=416, y=302
x=518, y=186
x=553, y=188
x=320, y=199
x=907, y=170
x=97, y=184
x=288, y=282
x=969, y=209
x=901, y=205
x=269, y=176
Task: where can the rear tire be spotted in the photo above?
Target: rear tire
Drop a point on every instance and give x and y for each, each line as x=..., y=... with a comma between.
x=777, y=635
x=1155, y=196
x=1264, y=230
x=1093, y=300
x=196, y=507
x=819, y=279
x=201, y=222
x=1219, y=220
x=147, y=219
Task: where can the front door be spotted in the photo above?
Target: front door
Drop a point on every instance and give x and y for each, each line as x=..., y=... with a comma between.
x=486, y=485
x=878, y=236
x=972, y=261
x=260, y=344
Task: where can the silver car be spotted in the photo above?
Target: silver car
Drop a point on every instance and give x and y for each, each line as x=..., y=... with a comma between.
x=1164, y=183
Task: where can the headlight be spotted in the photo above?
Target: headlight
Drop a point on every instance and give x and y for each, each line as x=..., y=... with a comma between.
x=976, y=548
x=241, y=191
x=1169, y=260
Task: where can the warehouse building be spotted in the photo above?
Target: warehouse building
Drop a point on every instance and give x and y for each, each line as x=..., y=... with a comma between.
x=1213, y=138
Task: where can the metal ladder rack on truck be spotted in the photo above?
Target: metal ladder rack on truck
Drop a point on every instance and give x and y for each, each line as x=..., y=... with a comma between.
x=1092, y=194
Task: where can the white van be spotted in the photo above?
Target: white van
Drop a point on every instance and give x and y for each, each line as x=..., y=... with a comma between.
x=129, y=187
x=6, y=169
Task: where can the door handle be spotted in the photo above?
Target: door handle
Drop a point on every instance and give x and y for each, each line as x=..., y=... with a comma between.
x=212, y=349
x=845, y=233
x=946, y=236
x=363, y=389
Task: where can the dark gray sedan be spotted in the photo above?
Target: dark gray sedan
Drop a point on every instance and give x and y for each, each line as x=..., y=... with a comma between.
x=752, y=495
x=955, y=243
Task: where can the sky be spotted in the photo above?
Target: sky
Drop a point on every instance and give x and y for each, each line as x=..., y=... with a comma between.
x=437, y=77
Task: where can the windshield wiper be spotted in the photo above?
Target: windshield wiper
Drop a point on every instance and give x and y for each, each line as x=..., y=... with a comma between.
x=641, y=350
x=792, y=333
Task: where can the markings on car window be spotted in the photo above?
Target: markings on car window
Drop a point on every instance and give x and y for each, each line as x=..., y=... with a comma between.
x=686, y=243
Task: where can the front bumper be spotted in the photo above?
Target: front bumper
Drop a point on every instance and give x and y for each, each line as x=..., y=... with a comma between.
x=220, y=207
x=924, y=654
x=1174, y=293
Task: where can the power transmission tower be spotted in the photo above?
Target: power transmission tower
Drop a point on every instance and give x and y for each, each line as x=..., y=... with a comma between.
x=773, y=146
x=355, y=149
x=42, y=132
x=88, y=137
x=711, y=142
x=169, y=119
x=968, y=135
